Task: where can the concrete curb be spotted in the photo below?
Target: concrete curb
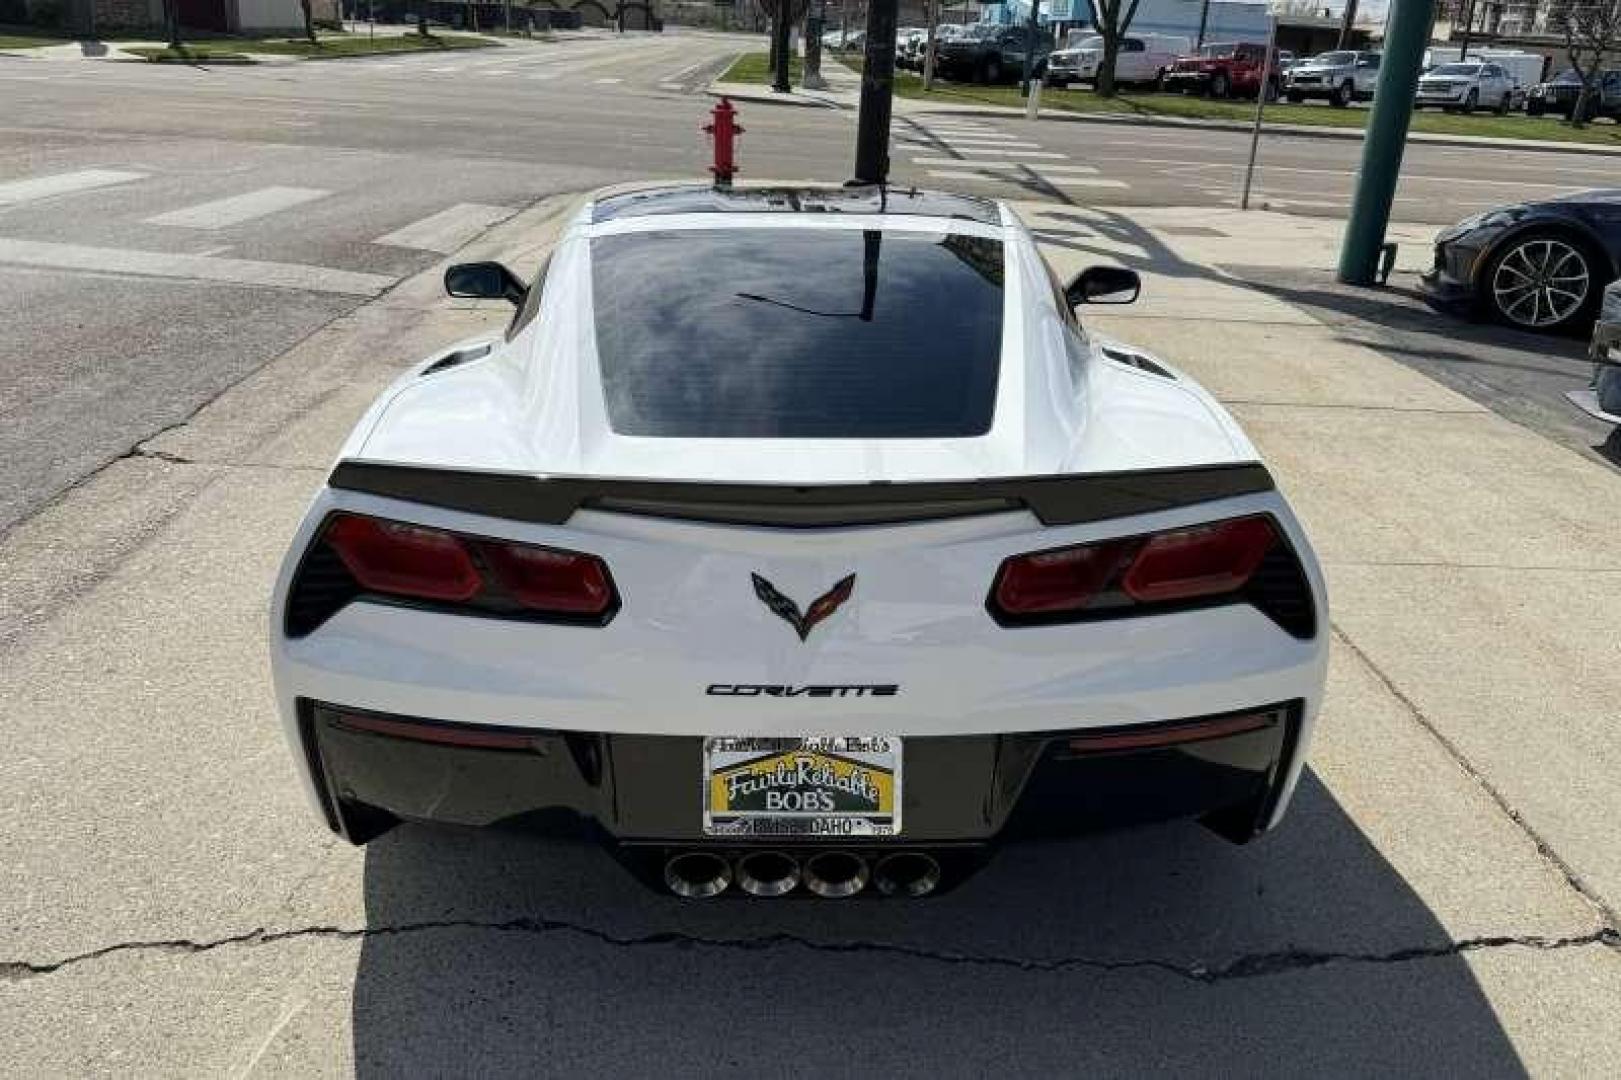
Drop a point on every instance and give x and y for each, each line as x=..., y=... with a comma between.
x=1308, y=131
x=765, y=96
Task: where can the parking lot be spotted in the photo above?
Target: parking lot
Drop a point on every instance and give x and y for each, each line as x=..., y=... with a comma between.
x=209, y=275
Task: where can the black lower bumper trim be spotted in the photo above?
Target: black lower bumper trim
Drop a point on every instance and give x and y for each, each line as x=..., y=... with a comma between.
x=646, y=790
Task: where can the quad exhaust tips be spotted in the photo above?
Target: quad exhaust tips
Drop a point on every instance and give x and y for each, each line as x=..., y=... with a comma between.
x=834, y=874
x=767, y=873
x=697, y=874
x=906, y=873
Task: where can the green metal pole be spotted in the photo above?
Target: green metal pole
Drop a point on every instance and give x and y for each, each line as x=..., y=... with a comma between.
x=1406, y=38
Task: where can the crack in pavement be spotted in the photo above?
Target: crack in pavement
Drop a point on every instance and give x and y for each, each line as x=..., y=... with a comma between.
x=1253, y=965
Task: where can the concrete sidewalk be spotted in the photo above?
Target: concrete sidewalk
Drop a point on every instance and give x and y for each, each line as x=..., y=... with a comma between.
x=1441, y=901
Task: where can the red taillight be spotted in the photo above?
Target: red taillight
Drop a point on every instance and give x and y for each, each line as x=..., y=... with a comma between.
x=1206, y=561
x=404, y=560
x=1062, y=580
x=549, y=580
x=396, y=559
x=1119, y=575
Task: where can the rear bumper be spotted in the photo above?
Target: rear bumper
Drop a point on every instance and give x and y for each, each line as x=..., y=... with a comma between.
x=644, y=792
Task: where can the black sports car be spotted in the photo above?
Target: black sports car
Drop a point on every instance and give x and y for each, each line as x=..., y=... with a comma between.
x=1535, y=265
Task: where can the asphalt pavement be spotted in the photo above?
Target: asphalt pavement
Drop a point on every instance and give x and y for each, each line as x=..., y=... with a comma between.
x=206, y=274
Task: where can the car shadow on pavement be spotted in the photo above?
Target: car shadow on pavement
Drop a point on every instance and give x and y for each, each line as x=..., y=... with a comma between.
x=1520, y=375
x=1160, y=949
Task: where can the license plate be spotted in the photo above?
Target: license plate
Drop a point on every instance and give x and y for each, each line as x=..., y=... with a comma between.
x=830, y=786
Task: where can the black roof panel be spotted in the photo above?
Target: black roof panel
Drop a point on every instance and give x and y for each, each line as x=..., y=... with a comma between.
x=695, y=199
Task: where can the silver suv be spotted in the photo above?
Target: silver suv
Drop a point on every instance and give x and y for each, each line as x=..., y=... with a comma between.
x=1341, y=77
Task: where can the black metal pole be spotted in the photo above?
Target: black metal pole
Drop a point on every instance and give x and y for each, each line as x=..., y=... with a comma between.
x=779, y=45
x=1030, y=47
x=1204, y=20
x=877, y=94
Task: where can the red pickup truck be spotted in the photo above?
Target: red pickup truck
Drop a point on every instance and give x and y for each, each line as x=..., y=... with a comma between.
x=1226, y=70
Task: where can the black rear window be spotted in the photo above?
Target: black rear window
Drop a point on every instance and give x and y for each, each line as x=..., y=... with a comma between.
x=798, y=333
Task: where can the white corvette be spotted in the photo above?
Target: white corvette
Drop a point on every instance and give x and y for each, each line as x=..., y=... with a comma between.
x=798, y=541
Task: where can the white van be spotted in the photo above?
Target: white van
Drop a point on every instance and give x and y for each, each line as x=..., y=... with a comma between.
x=1143, y=58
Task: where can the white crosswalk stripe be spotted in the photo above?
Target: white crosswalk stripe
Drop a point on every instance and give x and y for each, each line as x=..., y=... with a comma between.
x=45, y=187
x=223, y=213
x=165, y=264
x=447, y=230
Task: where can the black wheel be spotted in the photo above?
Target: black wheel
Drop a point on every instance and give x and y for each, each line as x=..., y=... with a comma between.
x=1220, y=85
x=1502, y=106
x=1341, y=97
x=1470, y=102
x=1533, y=108
x=991, y=73
x=1296, y=98
x=1541, y=281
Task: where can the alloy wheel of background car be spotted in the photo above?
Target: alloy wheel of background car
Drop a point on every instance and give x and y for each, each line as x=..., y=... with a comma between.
x=1541, y=283
x=1219, y=84
x=1342, y=95
x=1471, y=101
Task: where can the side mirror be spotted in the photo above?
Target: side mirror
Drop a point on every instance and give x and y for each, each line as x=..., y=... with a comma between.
x=484, y=281
x=1103, y=285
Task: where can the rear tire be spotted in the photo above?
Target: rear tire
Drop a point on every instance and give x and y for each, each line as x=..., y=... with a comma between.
x=1533, y=108
x=991, y=72
x=1220, y=85
x=1342, y=95
x=1296, y=99
x=1471, y=102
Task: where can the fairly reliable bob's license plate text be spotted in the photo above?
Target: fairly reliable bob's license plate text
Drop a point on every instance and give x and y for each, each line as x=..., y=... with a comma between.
x=811, y=787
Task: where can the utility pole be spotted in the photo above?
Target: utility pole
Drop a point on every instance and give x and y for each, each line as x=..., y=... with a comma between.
x=877, y=94
x=779, y=47
x=1468, y=25
x=1030, y=46
x=928, y=43
x=1204, y=21
x=1386, y=138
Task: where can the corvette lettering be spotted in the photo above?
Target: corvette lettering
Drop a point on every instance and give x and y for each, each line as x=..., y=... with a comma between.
x=789, y=691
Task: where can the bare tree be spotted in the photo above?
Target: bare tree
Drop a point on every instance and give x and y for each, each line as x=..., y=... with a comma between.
x=1592, y=32
x=1112, y=24
x=309, y=20
x=171, y=23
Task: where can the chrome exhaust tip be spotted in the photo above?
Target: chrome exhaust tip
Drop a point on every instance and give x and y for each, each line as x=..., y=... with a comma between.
x=767, y=873
x=906, y=873
x=832, y=874
x=697, y=874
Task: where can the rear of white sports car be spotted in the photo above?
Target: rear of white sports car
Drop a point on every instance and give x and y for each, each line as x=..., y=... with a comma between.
x=798, y=542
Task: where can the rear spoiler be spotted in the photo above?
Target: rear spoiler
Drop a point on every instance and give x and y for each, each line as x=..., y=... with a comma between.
x=1056, y=500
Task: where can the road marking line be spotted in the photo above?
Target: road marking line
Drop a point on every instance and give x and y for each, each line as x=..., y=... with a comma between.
x=608, y=81
x=977, y=164
x=447, y=230
x=977, y=147
x=499, y=73
x=193, y=267
x=223, y=213
x=1002, y=178
x=1014, y=154
x=43, y=187
x=672, y=86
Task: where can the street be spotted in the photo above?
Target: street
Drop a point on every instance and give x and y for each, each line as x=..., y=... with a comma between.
x=207, y=274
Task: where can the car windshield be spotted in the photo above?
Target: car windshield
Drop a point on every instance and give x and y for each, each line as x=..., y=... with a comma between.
x=1334, y=59
x=798, y=333
x=1094, y=42
x=1456, y=69
x=980, y=31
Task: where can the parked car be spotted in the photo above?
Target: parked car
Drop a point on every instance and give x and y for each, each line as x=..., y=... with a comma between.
x=1143, y=59
x=1225, y=70
x=1559, y=96
x=1340, y=77
x=850, y=558
x=1535, y=265
x=1465, y=87
x=1602, y=398
x=909, y=45
x=991, y=53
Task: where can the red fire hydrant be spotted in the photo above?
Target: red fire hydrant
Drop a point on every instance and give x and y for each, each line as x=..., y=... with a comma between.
x=724, y=130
